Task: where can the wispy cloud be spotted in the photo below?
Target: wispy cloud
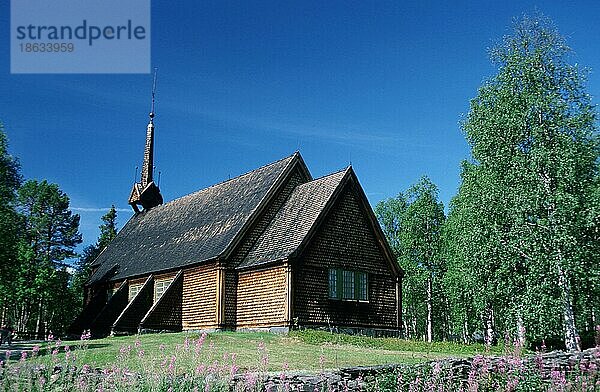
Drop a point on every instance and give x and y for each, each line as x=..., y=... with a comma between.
x=96, y=209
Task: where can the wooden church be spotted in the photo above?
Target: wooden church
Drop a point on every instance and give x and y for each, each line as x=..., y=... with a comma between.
x=271, y=249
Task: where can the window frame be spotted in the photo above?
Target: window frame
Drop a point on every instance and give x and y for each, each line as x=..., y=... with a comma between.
x=348, y=285
x=165, y=283
x=137, y=287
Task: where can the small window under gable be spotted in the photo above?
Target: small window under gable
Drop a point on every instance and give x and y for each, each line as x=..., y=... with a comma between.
x=348, y=285
x=160, y=286
x=134, y=289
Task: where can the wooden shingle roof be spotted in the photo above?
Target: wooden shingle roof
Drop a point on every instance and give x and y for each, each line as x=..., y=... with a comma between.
x=194, y=228
x=294, y=220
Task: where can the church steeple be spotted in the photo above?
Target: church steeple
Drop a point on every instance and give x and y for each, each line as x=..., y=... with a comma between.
x=145, y=193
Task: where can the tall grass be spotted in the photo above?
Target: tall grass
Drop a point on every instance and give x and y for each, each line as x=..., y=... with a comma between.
x=195, y=364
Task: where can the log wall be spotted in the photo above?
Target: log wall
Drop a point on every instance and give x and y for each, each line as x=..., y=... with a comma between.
x=199, y=297
x=262, y=298
x=295, y=178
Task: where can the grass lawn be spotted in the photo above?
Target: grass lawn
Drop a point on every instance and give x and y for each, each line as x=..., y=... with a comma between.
x=311, y=350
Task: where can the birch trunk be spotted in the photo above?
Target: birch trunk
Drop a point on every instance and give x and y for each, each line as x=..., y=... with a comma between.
x=490, y=335
x=571, y=335
x=520, y=331
x=38, y=323
x=429, y=310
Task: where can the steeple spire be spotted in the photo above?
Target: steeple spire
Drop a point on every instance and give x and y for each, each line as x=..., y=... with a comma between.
x=145, y=192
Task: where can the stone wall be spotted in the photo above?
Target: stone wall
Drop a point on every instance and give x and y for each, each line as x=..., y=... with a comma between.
x=365, y=378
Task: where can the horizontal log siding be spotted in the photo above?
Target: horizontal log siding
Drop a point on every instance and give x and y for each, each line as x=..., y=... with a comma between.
x=199, y=297
x=295, y=178
x=345, y=240
x=262, y=298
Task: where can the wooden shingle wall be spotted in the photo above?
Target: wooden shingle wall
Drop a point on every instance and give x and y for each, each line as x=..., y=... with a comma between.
x=129, y=320
x=344, y=241
x=262, y=298
x=113, y=308
x=199, y=299
x=295, y=178
x=165, y=314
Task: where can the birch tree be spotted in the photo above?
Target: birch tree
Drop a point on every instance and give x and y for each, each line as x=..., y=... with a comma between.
x=534, y=150
x=413, y=222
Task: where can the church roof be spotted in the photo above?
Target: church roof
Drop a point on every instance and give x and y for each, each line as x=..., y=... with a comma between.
x=294, y=220
x=194, y=228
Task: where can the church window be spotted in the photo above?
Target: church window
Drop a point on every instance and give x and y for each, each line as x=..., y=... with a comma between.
x=134, y=289
x=160, y=286
x=348, y=285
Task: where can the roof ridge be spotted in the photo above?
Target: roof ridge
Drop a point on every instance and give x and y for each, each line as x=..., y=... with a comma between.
x=230, y=179
x=329, y=175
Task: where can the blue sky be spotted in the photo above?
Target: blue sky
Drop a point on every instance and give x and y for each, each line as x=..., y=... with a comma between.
x=380, y=84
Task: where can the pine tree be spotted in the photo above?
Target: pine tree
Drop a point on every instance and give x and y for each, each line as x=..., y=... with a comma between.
x=10, y=226
x=108, y=231
x=50, y=237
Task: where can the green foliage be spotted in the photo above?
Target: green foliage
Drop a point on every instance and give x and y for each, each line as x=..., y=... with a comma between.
x=522, y=227
x=413, y=223
x=108, y=231
x=42, y=294
x=10, y=223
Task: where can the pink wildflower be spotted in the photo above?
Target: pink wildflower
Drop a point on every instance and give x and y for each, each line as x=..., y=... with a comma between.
x=23, y=355
x=172, y=364
x=250, y=379
x=86, y=368
x=512, y=384
x=233, y=370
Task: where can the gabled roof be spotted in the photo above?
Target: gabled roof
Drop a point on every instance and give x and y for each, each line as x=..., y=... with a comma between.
x=294, y=220
x=194, y=228
x=298, y=220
